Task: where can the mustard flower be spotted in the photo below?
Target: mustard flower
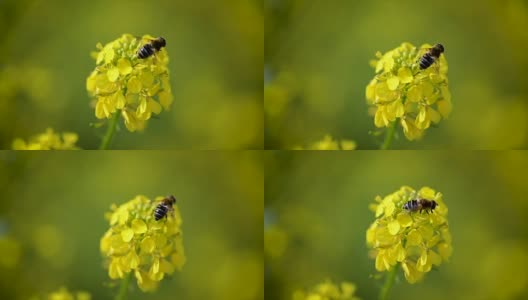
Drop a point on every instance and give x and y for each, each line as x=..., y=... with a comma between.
x=123, y=83
x=137, y=243
x=415, y=240
x=328, y=291
x=328, y=143
x=48, y=140
x=64, y=294
x=400, y=91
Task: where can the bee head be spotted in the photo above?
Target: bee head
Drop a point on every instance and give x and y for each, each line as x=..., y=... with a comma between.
x=162, y=42
x=439, y=48
x=433, y=204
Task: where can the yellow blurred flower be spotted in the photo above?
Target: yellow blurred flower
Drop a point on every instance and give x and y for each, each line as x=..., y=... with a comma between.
x=123, y=83
x=503, y=278
x=327, y=143
x=328, y=291
x=48, y=141
x=275, y=241
x=400, y=91
x=414, y=240
x=64, y=294
x=137, y=243
x=10, y=252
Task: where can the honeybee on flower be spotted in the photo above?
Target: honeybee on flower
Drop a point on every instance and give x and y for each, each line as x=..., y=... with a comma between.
x=417, y=242
x=405, y=91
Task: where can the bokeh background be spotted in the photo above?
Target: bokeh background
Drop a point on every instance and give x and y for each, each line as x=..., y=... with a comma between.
x=316, y=217
x=52, y=218
x=317, y=57
x=216, y=59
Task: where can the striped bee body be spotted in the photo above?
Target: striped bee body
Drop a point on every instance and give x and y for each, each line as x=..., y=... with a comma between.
x=151, y=47
x=146, y=51
x=164, y=207
x=420, y=205
x=431, y=56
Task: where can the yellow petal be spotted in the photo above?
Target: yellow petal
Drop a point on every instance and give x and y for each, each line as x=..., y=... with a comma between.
x=147, y=79
x=423, y=259
x=113, y=74
x=139, y=226
x=427, y=89
x=426, y=232
x=120, y=100
x=123, y=216
x=389, y=208
x=435, y=258
x=154, y=106
x=142, y=108
x=404, y=219
x=388, y=62
x=133, y=86
x=405, y=75
x=397, y=108
x=155, y=266
x=445, y=250
x=99, y=110
x=124, y=66
x=414, y=94
x=414, y=238
x=100, y=57
x=444, y=107
x=433, y=115
x=380, y=266
x=371, y=91
x=393, y=83
x=127, y=235
x=133, y=259
x=427, y=192
x=379, y=118
x=165, y=99
x=147, y=245
x=109, y=54
x=394, y=227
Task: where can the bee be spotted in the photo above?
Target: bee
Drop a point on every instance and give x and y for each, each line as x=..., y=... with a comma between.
x=420, y=205
x=151, y=47
x=164, y=207
x=431, y=56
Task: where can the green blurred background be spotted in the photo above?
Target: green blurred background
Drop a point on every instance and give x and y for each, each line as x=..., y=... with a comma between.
x=216, y=59
x=52, y=206
x=320, y=200
x=317, y=57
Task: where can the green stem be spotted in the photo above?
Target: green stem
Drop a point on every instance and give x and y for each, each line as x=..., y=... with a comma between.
x=110, y=131
x=123, y=289
x=389, y=281
x=389, y=135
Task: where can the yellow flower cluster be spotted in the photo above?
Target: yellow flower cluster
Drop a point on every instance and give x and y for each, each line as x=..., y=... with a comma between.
x=137, y=243
x=401, y=91
x=328, y=143
x=121, y=82
x=328, y=291
x=415, y=240
x=48, y=141
x=64, y=294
